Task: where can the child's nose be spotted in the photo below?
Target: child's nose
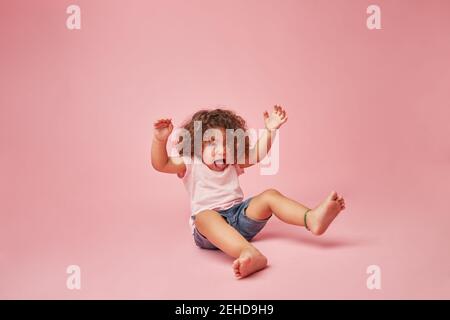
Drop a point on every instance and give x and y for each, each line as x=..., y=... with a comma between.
x=220, y=151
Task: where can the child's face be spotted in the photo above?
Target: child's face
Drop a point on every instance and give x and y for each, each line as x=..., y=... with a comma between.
x=215, y=150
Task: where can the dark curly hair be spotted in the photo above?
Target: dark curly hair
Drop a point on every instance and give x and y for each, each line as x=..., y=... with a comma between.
x=216, y=118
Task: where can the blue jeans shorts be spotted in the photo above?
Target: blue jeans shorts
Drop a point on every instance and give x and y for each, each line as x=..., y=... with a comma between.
x=237, y=218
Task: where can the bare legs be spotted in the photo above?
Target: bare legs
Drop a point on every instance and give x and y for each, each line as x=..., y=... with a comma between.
x=249, y=259
x=292, y=212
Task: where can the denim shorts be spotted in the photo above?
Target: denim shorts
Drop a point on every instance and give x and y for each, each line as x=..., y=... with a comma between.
x=237, y=218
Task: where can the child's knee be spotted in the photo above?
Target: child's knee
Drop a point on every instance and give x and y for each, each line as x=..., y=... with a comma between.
x=202, y=217
x=270, y=193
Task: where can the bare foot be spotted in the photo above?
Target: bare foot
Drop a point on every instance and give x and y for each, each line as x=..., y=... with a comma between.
x=320, y=217
x=248, y=262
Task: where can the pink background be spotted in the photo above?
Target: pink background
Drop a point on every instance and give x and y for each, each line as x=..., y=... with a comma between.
x=368, y=117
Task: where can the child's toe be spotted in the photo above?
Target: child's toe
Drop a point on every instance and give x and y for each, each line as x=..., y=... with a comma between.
x=236, y=266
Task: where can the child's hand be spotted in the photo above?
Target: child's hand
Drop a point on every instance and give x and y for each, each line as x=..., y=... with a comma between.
x=276, y=118
x=163, y=129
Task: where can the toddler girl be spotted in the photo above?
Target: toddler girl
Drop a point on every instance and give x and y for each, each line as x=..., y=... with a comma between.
x=220, y=216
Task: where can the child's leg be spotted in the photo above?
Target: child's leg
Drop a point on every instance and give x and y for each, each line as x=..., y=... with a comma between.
x=292, y=212
x=248, y=259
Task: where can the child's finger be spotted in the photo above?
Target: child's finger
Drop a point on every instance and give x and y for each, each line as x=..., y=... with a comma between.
x=160, y=125
x=277, y=110
x=159, y=121
x=162, y=122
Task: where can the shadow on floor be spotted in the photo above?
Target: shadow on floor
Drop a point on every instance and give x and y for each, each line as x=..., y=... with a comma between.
x=303, y=238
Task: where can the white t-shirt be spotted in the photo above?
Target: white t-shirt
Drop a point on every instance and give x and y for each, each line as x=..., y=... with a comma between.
x=209, y=189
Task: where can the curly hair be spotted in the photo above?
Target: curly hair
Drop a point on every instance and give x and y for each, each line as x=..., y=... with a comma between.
x=215, y=118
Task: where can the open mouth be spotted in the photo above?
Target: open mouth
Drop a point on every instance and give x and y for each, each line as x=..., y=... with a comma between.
x=220, y=164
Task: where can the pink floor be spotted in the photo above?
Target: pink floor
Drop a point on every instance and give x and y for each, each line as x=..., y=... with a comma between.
x=368, y=117
x=129, y=254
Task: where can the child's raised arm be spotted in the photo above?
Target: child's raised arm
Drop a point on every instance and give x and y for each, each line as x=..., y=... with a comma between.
x=160, y=159
x=272, y=121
